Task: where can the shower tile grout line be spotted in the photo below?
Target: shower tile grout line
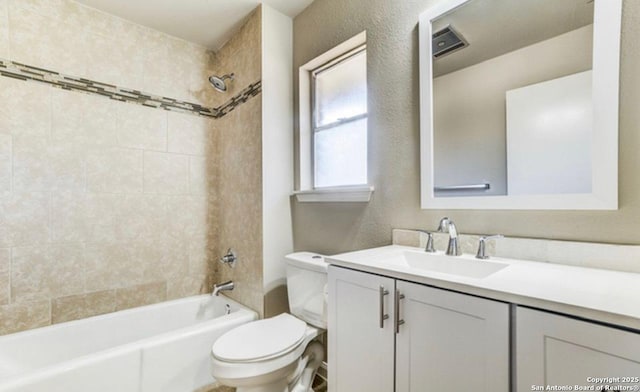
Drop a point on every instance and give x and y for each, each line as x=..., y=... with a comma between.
x=27, y=73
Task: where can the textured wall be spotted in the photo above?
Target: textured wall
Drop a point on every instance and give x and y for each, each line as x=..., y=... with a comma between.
x=392, y=44
x=240, y=154
x=103, y=205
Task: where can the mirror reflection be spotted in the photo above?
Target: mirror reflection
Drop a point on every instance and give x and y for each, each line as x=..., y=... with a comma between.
x=512, y=98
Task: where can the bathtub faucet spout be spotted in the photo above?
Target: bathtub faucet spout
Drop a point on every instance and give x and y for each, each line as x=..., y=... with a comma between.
x=226, y=286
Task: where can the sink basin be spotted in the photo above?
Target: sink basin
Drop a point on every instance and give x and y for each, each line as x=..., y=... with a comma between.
x=467, y=266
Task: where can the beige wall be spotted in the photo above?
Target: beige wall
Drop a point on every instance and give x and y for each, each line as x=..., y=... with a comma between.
x=103, y=205
x=240, y=154
x=392, y=44
x=469, y=106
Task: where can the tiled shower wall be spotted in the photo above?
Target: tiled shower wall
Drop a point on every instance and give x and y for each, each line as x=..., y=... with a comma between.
x=103, y=205
x=240, y=186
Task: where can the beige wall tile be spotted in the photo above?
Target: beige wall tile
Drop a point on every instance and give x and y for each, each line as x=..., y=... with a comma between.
x=40, y=166
x=191, y=216
x=58, y=9
x=240, y=201
x=241, y=155
x=82, y=120
x=5, y=275
x=115, y=170
x=110, y=266
x=84, y=217
x=46, y=41
x=97, y=224
x=241, y=55
x=25, y=108
x=202, y=253
x=21, y=316
x=186, y=286
x=75, y=307
x=124, y=52
x=4, y=29
x=141, y=218
x=166, y=174
x=174, y=67
x=156, y=62
x=74, y=39
x=202, y=175
x=189, y=134
x=24, y=219
x=141, y=127
x=5, y=163
x=165, y=260
x=197, y=64
x=43, y=272
x=241, y=228
x=141, y=295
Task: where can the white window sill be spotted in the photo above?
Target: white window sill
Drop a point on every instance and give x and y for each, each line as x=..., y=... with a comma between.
x=355, y=194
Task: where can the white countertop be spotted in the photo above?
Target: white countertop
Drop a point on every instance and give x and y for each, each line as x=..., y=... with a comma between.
x=607, y=296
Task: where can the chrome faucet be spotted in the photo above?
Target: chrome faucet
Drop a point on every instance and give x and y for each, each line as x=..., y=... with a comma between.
x=226, y=286
x=429, y=246
x=482, y=251
x=447, y=225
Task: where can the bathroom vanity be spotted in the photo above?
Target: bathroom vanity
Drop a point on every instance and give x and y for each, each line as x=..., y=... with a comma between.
x=401, y=320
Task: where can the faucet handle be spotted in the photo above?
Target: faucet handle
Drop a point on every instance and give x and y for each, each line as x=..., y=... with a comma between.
x=229, y=258
x=429, y=247
x=482, y=252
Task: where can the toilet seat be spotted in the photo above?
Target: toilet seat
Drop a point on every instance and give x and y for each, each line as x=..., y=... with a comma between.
x=260, y=340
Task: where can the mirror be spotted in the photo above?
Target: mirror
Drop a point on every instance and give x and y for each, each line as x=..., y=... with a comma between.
x=519, y=104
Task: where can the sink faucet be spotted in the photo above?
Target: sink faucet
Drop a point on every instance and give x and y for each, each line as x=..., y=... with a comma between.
x=226, y=286
x=447, y=225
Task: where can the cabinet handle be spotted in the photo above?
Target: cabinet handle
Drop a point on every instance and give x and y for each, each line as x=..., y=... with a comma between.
x=383, y=316
x=398, y=321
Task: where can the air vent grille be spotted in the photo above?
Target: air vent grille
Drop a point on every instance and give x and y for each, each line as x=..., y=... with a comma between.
x=447, y=41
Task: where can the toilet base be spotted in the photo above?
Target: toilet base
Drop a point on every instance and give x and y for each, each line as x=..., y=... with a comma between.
x=277, y=386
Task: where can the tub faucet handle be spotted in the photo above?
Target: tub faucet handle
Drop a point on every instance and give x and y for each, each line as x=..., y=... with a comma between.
x=229, y=258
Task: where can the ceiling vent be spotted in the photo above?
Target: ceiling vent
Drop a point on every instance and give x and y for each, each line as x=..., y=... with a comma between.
x=446, y=41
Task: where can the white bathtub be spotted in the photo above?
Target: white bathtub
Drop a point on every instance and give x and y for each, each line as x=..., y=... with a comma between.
x=157, y=348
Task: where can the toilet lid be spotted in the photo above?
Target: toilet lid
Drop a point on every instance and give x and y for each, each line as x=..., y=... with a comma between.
x=260, y=339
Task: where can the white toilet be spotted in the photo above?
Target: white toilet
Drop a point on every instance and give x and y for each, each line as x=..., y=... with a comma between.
x=278, y=354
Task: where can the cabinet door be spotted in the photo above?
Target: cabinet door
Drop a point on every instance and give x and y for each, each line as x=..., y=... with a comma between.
x=451, y=342
x=557, y=350
x=361, y=343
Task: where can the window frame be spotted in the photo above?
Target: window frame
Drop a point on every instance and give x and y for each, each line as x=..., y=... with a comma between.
x=303, y=186
x=314, y=128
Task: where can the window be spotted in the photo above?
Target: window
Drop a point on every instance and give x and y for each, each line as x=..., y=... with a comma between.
x=339, y=121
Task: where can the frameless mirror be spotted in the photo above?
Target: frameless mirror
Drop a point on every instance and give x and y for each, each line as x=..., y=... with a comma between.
x=519, y=104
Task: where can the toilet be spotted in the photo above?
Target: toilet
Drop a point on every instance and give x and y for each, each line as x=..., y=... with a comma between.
x=279, y=354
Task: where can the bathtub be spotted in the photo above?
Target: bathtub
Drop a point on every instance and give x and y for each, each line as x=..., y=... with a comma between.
x=157, y=348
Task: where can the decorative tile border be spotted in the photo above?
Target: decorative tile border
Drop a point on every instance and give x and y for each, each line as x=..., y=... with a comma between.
x=26, y=72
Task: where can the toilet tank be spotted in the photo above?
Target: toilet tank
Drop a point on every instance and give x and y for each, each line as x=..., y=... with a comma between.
x=307, y=287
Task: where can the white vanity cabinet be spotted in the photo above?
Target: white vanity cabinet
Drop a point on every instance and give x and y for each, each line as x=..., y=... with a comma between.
x=389, y=335
x=361, y=346
x=557, y=350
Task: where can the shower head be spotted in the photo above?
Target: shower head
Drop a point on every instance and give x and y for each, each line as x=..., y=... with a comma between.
x=218, y=82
